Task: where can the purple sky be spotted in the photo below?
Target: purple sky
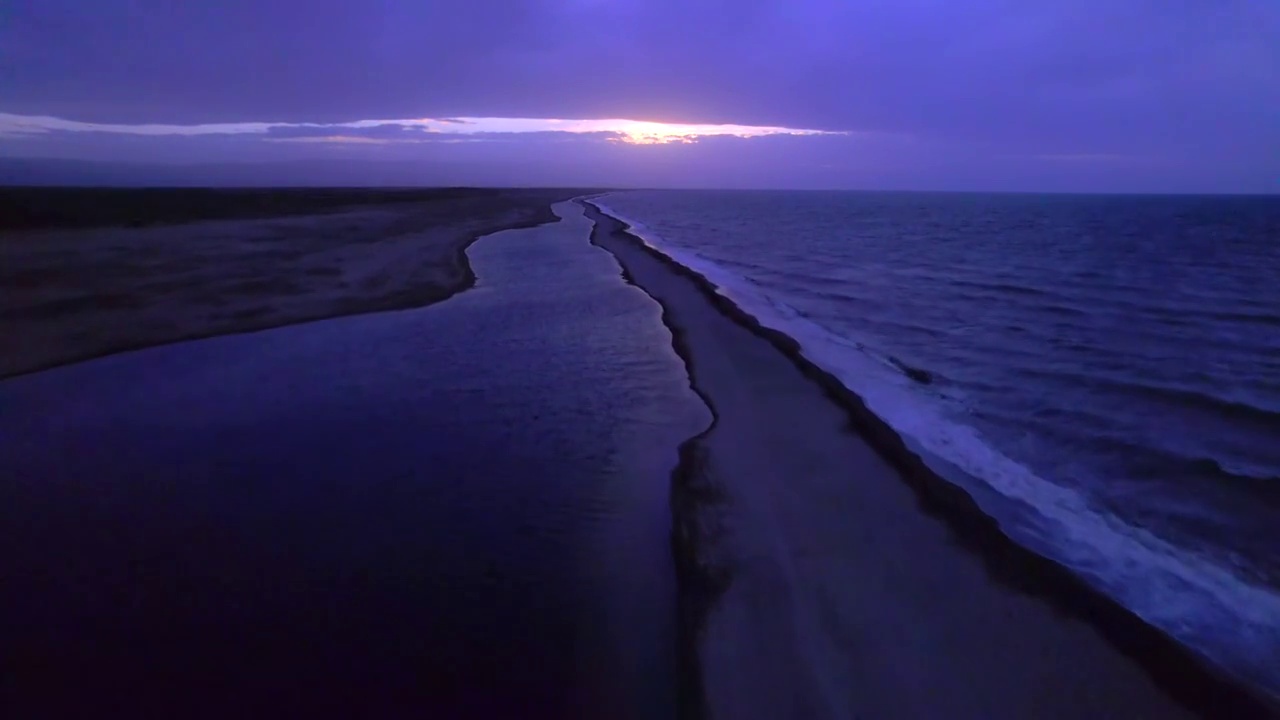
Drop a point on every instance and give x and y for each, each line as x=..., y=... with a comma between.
x=1109, y=95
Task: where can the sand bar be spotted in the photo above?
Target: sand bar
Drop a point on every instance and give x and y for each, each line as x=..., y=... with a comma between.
x=831, y=588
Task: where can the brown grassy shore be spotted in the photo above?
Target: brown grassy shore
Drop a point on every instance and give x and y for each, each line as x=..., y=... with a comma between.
x=88, y=272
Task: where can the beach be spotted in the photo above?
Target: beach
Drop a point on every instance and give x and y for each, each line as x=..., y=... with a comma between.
x=588, y=486
x=838, y=577
x=92, y=272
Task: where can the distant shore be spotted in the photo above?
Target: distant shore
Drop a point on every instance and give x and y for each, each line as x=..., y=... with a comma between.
x=90, y=272
x=768, y=575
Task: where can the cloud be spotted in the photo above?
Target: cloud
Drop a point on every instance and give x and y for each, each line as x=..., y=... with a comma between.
x=1192, y=82
x=336, y=139
x=410, y=130
x=591, y=160
x=37, y=124
x=389, y=132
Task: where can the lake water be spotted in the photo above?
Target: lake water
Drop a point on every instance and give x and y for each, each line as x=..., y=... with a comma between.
x=460, y=510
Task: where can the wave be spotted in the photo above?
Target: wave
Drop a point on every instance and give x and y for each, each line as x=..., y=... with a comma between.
x=1232, y=408
x=1124, y=301
x=1166, y=461
x=1104, y=300
x=999, y=287
x=1228, y=407
x=1265, y=486
x=1204, y=604
x=920, y=375
x=1269, y=320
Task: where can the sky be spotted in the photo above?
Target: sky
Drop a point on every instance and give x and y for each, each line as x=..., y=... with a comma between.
x=1056, y=95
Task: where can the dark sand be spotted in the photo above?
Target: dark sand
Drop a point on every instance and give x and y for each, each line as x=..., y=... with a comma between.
x=183, y=264
x=826, y=578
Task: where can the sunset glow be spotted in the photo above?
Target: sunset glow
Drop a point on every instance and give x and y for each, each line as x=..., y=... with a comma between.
x=638, y=132
x=631, y=132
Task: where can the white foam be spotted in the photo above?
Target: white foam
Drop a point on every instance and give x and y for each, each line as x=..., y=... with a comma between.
x=1201, y=602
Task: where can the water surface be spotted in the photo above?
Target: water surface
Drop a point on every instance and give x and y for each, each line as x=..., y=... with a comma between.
x=459, y=510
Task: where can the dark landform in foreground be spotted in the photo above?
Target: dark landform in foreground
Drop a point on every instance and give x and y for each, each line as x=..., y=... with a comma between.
x=93, y=271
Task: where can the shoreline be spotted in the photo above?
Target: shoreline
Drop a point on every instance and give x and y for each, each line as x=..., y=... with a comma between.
x=272, y=272
x=455, y=511
x=1182, y=674
x=700, y=578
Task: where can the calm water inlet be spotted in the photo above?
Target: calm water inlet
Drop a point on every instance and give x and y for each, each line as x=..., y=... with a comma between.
x=460, y=509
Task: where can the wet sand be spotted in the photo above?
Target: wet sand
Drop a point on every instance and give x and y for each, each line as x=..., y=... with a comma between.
x=828, y=574
x=198, y=263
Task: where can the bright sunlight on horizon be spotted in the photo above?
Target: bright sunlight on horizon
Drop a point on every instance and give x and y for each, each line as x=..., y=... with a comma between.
x=637, y=132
